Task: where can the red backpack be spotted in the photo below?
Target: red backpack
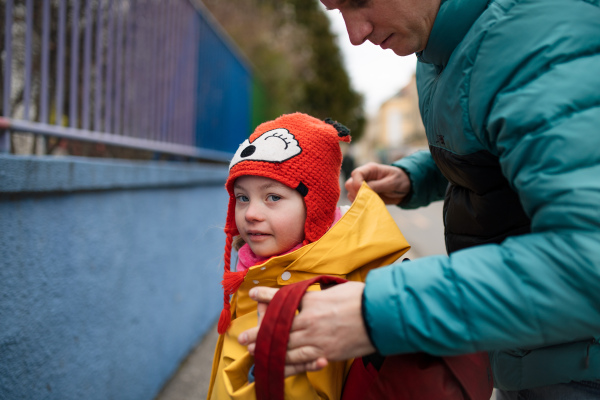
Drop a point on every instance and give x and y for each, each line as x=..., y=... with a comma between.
x=402, y=377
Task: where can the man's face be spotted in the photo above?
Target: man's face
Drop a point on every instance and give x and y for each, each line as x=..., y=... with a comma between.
x=401, y=25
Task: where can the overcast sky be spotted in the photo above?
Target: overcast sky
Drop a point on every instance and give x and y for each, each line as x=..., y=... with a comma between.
x=377, y=74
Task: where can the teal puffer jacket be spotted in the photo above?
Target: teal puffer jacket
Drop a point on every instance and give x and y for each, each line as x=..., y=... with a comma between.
x=518, y=81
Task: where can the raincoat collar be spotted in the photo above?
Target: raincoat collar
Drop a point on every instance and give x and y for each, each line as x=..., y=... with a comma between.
x=366, y=236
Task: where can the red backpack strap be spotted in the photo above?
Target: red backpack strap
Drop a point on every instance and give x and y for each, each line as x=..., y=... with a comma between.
x=273, y=337
x=474, y=372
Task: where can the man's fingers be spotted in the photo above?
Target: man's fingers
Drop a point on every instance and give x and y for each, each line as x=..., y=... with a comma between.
x=261, y=309
x=352, y=185
x=361, y=174
x=391, y=183
x=303, y=355
x=349, y=185
x=262, y=294
x=357, y=177
x=248, y=337
x=316, y=365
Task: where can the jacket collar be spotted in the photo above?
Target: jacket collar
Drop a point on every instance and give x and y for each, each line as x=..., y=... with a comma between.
x=453, y=21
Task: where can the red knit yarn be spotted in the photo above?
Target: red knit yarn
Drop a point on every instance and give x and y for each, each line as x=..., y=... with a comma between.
x=225, y=318
x=232, y=281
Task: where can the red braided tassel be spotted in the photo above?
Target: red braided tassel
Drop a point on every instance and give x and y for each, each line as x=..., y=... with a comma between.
x=224, y=320
x=232, y=281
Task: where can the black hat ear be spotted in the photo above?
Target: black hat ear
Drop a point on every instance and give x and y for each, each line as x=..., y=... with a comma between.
x=342, y=130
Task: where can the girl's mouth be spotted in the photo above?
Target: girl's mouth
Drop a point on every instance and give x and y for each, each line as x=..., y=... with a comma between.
x=254, y=236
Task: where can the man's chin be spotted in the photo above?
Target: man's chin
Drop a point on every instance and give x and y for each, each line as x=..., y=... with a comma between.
x=403, y=52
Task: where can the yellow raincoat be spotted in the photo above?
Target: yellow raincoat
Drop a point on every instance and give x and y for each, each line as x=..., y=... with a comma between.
x=366, y=237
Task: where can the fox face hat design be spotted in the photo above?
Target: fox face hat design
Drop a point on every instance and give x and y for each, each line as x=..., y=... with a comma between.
x=277, y=145
x=303, y=153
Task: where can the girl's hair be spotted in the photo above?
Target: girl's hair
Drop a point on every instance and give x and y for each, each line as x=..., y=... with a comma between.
x=238, y=242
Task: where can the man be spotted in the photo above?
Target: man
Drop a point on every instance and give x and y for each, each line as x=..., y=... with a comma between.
x=509, y=93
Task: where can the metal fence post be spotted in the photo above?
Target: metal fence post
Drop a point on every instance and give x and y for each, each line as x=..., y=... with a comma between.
x=4, y=132
x=127, y=76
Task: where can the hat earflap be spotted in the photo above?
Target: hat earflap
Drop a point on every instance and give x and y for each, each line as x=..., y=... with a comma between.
x=231, y=282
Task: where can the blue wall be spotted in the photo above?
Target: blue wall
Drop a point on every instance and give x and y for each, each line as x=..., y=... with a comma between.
x=109, y=273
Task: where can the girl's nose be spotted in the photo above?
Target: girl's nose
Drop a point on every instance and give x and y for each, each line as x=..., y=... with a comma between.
x=254, y=212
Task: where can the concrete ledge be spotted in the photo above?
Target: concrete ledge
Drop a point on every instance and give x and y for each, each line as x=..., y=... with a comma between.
x=20, y=174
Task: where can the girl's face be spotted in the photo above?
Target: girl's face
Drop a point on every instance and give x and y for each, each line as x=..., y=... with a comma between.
x=269, y=215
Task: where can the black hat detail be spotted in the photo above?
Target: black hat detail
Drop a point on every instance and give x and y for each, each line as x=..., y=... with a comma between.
x=342, y=130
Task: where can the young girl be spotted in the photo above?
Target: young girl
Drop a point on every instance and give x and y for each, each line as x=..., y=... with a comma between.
x=283, y=189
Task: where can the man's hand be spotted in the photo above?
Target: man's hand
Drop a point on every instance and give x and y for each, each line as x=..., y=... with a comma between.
x=391, y=183
x=329, y=327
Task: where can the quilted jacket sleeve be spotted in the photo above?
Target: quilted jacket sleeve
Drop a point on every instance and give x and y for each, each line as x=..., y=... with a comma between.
x=532, y=290
x=427, y=182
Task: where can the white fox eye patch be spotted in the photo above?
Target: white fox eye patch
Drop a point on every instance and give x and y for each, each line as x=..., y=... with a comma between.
x=275, y=146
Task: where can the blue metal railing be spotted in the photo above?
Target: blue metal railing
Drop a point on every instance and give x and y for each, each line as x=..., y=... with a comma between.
x=145, y=74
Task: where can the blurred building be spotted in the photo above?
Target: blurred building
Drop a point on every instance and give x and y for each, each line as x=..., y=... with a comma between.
x=396, y=130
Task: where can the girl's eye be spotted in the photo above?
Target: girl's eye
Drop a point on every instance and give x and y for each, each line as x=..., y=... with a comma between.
x=273, y=197
x=241, y=198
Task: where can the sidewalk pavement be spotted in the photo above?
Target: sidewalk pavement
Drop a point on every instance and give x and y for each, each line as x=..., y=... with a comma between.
x=191, y=380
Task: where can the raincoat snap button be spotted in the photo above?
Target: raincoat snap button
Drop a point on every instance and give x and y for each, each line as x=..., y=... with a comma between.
x=286, y=275
x=255, y=282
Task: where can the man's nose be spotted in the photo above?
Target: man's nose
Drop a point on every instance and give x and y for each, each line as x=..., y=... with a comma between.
x=358, y=28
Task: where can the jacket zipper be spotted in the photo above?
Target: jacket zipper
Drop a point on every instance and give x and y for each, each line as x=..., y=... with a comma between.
x=587, y=356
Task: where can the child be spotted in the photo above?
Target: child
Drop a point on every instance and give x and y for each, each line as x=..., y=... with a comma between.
x=283, y=189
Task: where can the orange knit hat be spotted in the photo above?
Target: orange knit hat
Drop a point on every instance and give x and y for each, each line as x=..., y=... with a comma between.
x=301, y=152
